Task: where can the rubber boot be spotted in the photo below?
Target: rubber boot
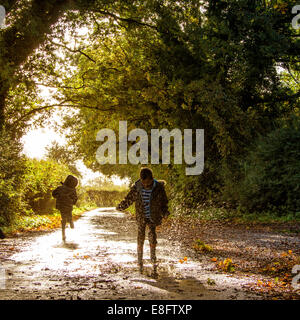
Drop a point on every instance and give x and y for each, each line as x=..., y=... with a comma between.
x=140, y=258
x=71, y=224
x=153, y=259
x=63, y=228
x=2, y=235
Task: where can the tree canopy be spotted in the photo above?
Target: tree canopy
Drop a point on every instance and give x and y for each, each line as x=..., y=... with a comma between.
x=229, y=67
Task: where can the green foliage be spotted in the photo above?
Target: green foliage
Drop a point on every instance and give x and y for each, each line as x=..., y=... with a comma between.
x=12, y=168
x=271, y=179
x=42, y=177
x=157, y=64
x=105, y=198
x=63, y=155
x=190, y=69
x=41, y=222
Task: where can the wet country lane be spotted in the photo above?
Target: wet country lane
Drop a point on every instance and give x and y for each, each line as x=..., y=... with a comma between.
x=98, y=261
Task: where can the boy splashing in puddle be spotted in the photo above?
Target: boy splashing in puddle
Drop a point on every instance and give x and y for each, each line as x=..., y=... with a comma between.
x=66, y=197
x=151, y=205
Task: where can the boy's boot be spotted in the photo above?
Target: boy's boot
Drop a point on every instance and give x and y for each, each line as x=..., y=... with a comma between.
x=153, y=258
x=2, y=236
x=63, y=227
x=71, y=224
x=63, y=235
x=140, y=258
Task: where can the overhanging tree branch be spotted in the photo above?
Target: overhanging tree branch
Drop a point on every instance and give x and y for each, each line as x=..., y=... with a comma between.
x=62, y=105
x=73, y=50
x=291, y=74
x=128, y=20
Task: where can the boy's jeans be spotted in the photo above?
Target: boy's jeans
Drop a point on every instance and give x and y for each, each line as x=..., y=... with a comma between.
x=66, y=216
x=152, y=240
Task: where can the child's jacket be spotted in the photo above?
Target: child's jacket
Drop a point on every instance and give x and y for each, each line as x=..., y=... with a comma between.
x=66, y=195
x=158, y=202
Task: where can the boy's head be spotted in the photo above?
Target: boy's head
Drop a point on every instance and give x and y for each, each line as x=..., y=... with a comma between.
x=71, y=181
x=146, y=176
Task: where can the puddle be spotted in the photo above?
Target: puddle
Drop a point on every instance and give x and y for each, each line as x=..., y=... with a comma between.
x=98, y=261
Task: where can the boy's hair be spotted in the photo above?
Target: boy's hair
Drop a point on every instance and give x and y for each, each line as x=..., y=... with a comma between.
x=146, y=173
x=71, y=181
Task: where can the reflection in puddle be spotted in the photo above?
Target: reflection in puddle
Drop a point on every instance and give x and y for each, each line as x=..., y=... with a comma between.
x=68, y=245
x=87, y=247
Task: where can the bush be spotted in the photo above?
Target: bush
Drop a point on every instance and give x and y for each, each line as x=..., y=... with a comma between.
x=12, y=166
x=42, y=176
x=106, y=198
x=271, y=173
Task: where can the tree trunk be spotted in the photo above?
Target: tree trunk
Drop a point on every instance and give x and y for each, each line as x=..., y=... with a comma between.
x=23, y=37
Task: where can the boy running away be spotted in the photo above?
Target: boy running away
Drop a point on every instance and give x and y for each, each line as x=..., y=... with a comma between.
x=66, y=197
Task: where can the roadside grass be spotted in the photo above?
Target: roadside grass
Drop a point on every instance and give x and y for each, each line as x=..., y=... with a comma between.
x=230, y=215
x=42, y=222
x=270, y=217
x=121, y=188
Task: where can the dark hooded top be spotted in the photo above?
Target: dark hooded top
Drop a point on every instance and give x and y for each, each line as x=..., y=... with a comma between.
x=158, y=202
x=65, y=194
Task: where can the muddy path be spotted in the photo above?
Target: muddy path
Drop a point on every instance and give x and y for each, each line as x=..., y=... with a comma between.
x=98, y=261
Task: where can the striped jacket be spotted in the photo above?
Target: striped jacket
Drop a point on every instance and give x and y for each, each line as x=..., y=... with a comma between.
x=158, y=202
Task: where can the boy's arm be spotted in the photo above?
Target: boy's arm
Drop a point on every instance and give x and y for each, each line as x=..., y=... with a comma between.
x=55, y=192
x=75, y=198
x=128, y=200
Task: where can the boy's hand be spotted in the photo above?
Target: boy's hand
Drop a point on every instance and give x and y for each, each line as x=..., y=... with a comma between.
x=167, y=213
x=119, y=208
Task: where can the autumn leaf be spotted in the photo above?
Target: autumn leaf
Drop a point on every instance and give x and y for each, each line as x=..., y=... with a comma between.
x=201, y=246
x=211, y=282
x=227, y=265
x=259, y=282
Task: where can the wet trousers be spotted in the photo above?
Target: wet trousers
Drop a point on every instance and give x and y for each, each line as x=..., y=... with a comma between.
x=141, y=239
x=66, y=216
